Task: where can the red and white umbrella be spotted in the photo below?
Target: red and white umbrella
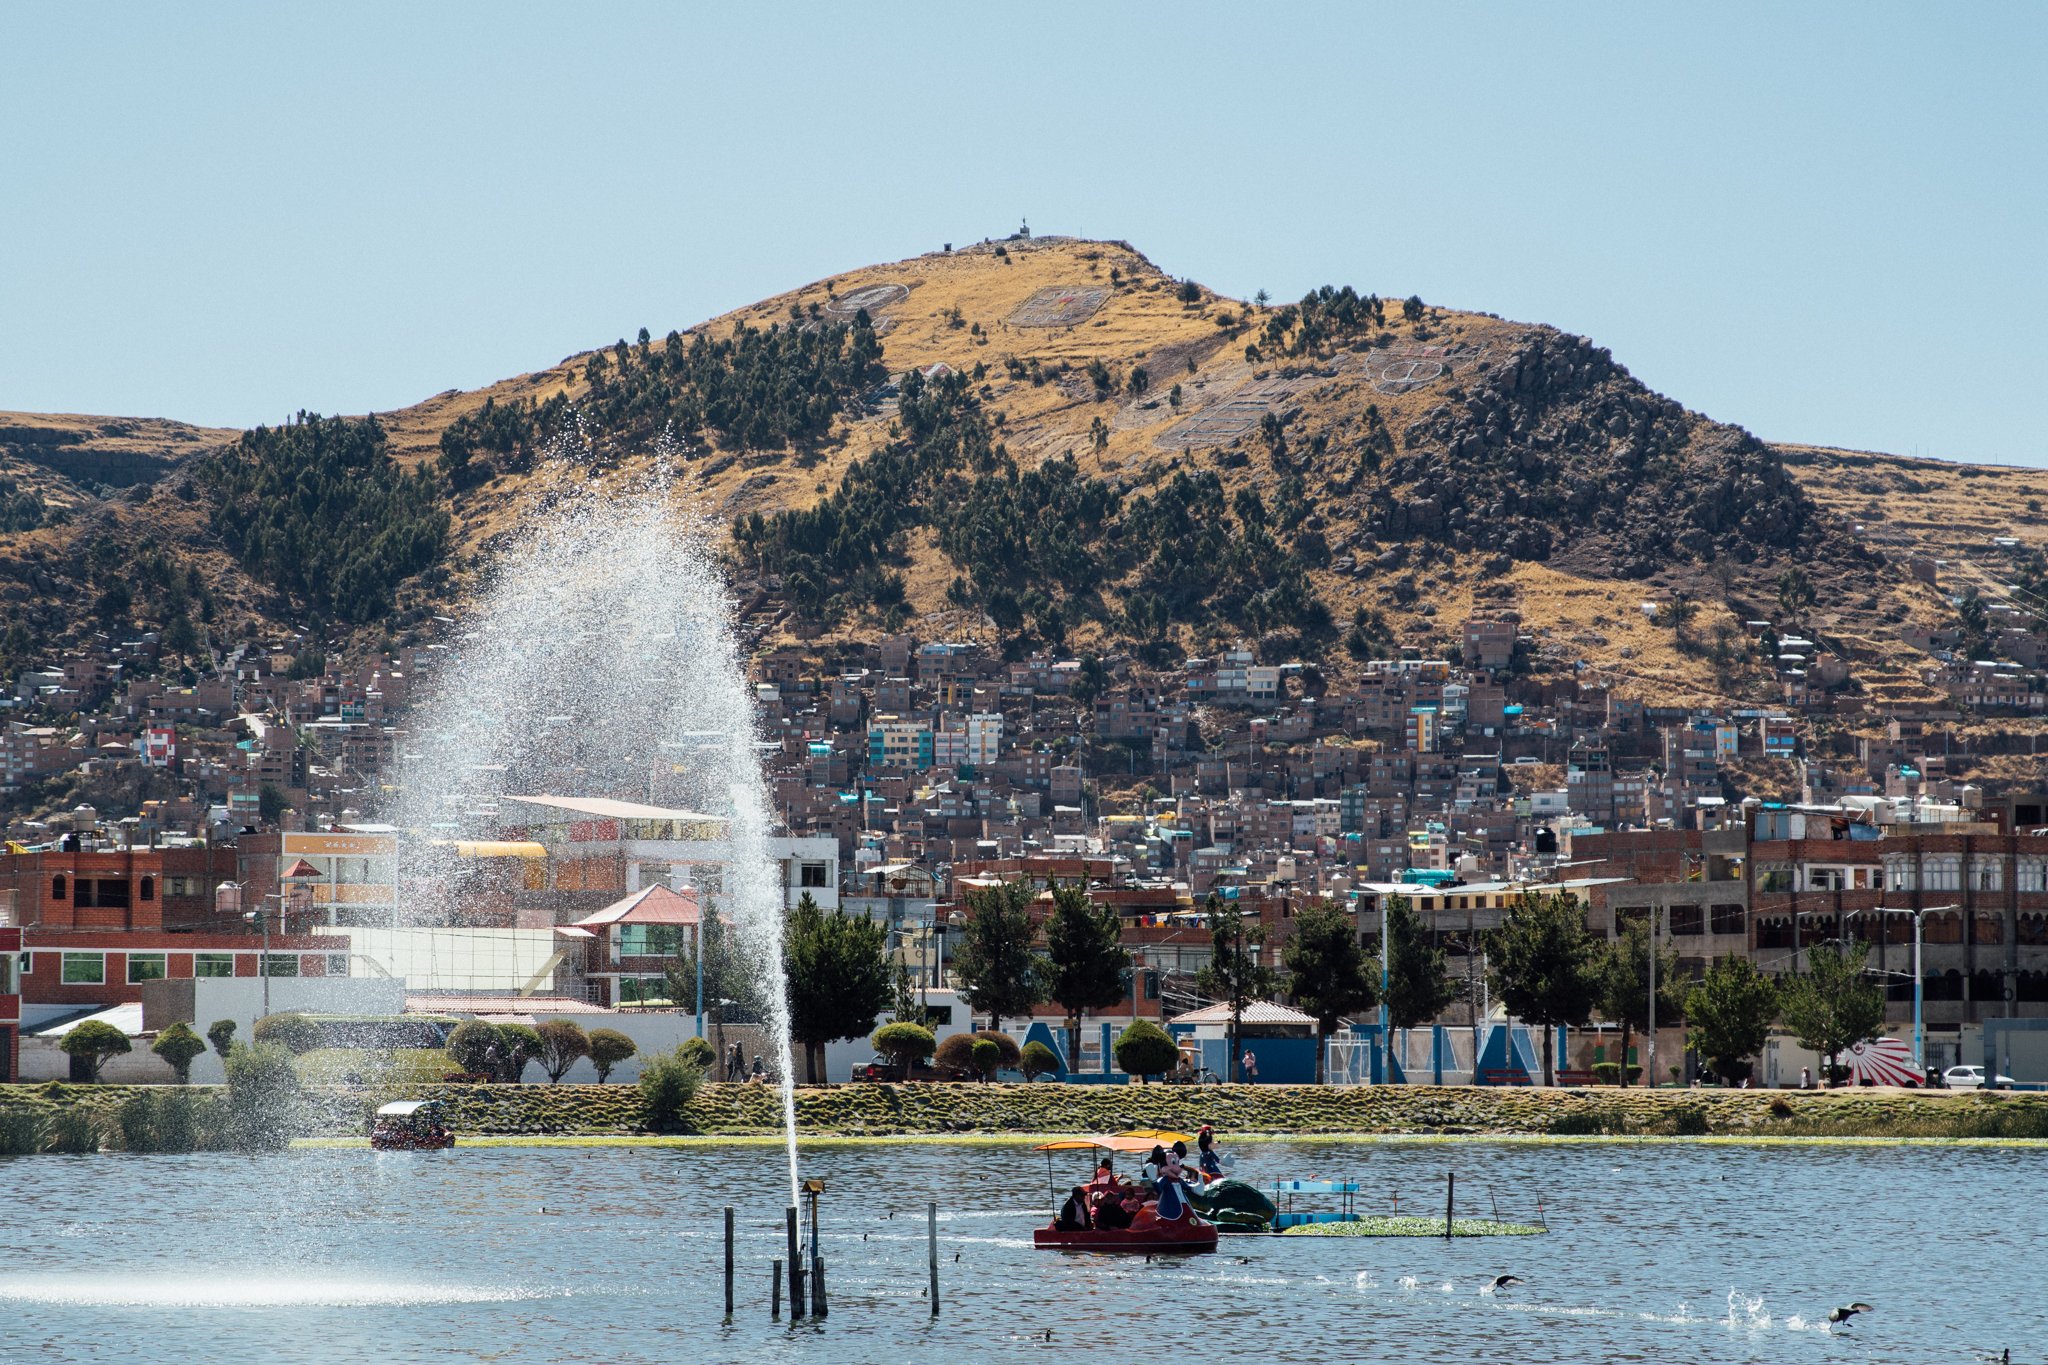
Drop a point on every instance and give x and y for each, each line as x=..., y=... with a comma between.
x=1882, y=1061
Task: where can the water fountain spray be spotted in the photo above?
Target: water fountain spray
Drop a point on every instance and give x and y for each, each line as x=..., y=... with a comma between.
x=599, y=660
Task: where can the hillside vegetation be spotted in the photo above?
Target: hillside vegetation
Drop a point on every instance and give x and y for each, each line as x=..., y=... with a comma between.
x=1043, y=443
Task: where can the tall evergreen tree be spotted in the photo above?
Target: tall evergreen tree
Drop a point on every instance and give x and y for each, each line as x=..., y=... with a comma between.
x=1418, y=980
x=1000, y=970
x=1090, y=967
x=1328, y=973
x=1625, y=986
x=1235, y=976
x=839, y=978
x=1544, y=966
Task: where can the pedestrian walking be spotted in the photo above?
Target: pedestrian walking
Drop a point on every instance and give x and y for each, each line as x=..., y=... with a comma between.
x=1250, y=1064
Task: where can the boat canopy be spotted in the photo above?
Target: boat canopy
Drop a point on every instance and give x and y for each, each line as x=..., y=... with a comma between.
x=1136, y=1140
x=405, y=1109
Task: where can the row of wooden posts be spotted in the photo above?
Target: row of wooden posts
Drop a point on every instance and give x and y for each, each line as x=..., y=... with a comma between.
x=799, y=1272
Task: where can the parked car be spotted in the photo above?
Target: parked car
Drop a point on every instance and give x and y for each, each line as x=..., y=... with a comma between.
x=1971, y=1078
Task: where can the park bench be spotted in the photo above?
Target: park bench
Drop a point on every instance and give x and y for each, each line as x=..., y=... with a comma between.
x=1508, y=1076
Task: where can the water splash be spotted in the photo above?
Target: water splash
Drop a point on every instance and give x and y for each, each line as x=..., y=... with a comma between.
x=1746, y=1312
x=599, y=660
x=257, y=1290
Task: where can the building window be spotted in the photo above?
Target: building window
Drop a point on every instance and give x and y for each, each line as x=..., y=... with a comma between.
x=2033, y=875
x=213, y=964
x=148, y=890
x=813, y=874
x=647, y=940
x=637, y=990
x=1987, y=874
x=1778, y=879
x=1685, y=920
x=1727, y=919
x=337, y=964
x=281, y=964
x=57, y=887
x=145, y=967
x=85, y=969
x=1943, y=874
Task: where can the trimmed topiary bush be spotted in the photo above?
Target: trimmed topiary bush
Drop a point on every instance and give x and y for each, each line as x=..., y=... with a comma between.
x=668, y=1083
x=519, y=1045
x=221, y=1033
x=477, y=1047
x=700, y=1051
x=562, y=1043
x=290, y=1030
x=1144, y=1049
x=609, y=1047
x=985, y=1057
x=903, y=1045
x=179, y=1046
x=1038, y=1060
x=956, y=1054
x=91, y=1043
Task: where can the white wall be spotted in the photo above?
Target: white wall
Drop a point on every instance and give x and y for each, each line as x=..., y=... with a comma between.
x=841, y=1057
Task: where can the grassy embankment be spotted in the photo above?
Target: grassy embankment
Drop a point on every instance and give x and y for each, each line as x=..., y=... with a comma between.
x=866, y=1112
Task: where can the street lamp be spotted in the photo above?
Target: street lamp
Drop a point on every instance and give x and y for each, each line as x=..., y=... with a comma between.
x=1919, y=981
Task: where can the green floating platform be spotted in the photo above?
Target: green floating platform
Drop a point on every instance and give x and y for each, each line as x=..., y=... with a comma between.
x=1404, y=1226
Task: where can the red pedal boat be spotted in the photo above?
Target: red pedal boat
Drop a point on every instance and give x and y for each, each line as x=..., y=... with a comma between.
x=1187, y=1233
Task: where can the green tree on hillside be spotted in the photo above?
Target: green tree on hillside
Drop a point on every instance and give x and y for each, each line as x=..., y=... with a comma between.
x=1418, y=980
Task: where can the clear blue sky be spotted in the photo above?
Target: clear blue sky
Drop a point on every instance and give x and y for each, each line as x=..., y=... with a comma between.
x=1823, y=222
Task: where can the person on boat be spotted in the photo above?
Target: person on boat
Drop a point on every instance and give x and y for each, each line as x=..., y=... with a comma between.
x=1074, y=1213
x=1171, y=1189
x=1210, y=1161
x=1105, y=1174
x=1113, y=1212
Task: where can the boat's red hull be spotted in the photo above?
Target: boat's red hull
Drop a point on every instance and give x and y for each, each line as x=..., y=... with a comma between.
x=1184, y=1236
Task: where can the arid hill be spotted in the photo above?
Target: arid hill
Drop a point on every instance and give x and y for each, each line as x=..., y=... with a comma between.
x=1053, y=442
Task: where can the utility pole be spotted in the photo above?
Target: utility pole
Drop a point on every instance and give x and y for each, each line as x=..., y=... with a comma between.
x=1650, y=1060
x=1386, y=1029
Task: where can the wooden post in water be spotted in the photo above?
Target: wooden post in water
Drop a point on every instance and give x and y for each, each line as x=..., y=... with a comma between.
x=931, y=1242
x=728, y=1263
x=1450, y=1198
x=796, y=1264
x=817, y=1285
x=775, y=1294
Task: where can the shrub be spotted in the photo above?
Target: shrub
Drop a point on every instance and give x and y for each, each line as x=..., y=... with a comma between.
x=159, y=1120
x=1690, y=1121
x=985, y=1056
x=518, y=1045
x=476, y=1047
x=700, y=1052
x=23, y=1129
x=290, y=1030
x=91, y=1043
x=73, y=1129
x=179, y=1046
x=957, y=1052
x=668, y=1083
x=263, y=1096
x=609, y=1047
x=1588, y=1123
x=1145, y=1049
x=221, y=1033
x=1609, y=1073
x=1038, y=1060
x=904, y=1045
x=1781, y=1108
x=562, y=1043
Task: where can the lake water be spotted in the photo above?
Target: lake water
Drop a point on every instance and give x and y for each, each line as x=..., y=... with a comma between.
x=1658, y=1252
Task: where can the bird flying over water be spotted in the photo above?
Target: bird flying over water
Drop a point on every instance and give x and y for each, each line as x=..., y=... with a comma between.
x=1502, y=1282
x=1847, y=1311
